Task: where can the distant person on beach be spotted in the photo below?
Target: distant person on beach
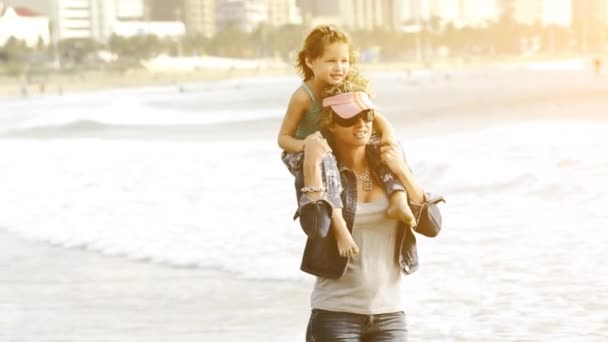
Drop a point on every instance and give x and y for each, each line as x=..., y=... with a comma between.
x=24, y=91
x=597, y=65
x=358, y=298
x=326, y=59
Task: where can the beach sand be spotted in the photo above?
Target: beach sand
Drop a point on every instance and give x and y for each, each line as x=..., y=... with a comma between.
x=80, y=81
x=93, y=80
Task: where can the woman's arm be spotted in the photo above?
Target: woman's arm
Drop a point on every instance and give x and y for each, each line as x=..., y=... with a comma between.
x=298, y=105
x=423, y=205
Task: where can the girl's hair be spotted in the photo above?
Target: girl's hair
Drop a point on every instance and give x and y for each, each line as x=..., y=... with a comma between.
x=355, y=82
x=314, y=46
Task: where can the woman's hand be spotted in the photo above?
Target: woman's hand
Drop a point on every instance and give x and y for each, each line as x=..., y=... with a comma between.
x=315, y=148
x=392, y=157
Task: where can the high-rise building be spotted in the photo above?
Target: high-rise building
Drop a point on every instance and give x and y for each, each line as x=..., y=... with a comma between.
x=589, y=22
x=521, y=11
x=320, y=9
x=479, y=12
x=99, y=19
x=130, y=9
x=447, y=11
x=528, y=11
x=282, y=12
x=199, y=17
x=350, y=14
x=413, y=14
x=74, y=18
x=367, y=14
x=246, y=15
x=163, y=10
x=88, y=19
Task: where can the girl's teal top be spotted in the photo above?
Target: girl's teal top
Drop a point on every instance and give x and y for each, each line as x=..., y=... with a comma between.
x=310, y=121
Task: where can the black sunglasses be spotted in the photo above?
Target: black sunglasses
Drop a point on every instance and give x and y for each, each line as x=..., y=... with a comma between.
x=366, y=115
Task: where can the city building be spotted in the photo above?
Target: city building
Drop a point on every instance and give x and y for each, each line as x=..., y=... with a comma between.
x=589, y=23
x=528, y=12
x=245, y=15
x=411, y=15
x=129, y=9
x=283, y=12
x=367, y=15
x=363, y=15
x=72, y=19
x=447, y=11
x=23, y=24
x=317, y=12
x=164, y=10
x=199, y=17
x=478, y=13
x=161, y=29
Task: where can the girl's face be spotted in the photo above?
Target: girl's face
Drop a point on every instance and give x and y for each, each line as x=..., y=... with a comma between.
x=332, y=66
x=358, y=134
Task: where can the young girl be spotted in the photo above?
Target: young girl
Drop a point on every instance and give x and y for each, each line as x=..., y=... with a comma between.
x=326, y=60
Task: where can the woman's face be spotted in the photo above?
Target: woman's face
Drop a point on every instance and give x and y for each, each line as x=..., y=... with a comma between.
x=357, y=135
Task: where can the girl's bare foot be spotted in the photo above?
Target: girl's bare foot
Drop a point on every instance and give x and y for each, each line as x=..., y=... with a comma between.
x=398, y=209
x=346, y=245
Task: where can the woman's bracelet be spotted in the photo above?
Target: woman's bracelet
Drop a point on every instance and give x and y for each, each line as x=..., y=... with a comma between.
x=312, y=189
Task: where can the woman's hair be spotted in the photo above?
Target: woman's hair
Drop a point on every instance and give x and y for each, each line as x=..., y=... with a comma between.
x=314, y=46
x=354, y=82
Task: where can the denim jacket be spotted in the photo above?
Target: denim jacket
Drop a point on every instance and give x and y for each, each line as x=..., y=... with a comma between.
x=321, y=257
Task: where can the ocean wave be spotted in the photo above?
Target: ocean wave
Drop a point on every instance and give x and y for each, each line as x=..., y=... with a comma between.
x=77, y=128
x=96, y=129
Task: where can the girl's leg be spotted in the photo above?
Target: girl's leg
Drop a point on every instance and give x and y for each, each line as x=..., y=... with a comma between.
x=333, y=190
x=399, y=208
x=330, y=174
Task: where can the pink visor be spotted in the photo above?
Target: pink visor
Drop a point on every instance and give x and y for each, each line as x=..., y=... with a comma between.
x=347, y=105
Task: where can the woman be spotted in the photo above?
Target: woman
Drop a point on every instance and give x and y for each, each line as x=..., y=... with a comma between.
x=358, y=298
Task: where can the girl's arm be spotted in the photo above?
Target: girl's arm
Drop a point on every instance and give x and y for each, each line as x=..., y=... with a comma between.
x=387, y=135
x=298, y=105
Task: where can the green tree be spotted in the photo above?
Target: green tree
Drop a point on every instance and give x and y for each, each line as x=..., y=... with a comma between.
x=289, y=40
x=233, y=42
x=75, y=51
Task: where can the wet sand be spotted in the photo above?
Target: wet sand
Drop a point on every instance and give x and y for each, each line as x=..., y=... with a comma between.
x=53, y=294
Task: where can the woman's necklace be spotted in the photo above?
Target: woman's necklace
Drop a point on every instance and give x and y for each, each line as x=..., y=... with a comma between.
x=365, y=180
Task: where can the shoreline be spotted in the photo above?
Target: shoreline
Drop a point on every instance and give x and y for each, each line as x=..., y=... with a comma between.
x=98, y=80
x=91, y=81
